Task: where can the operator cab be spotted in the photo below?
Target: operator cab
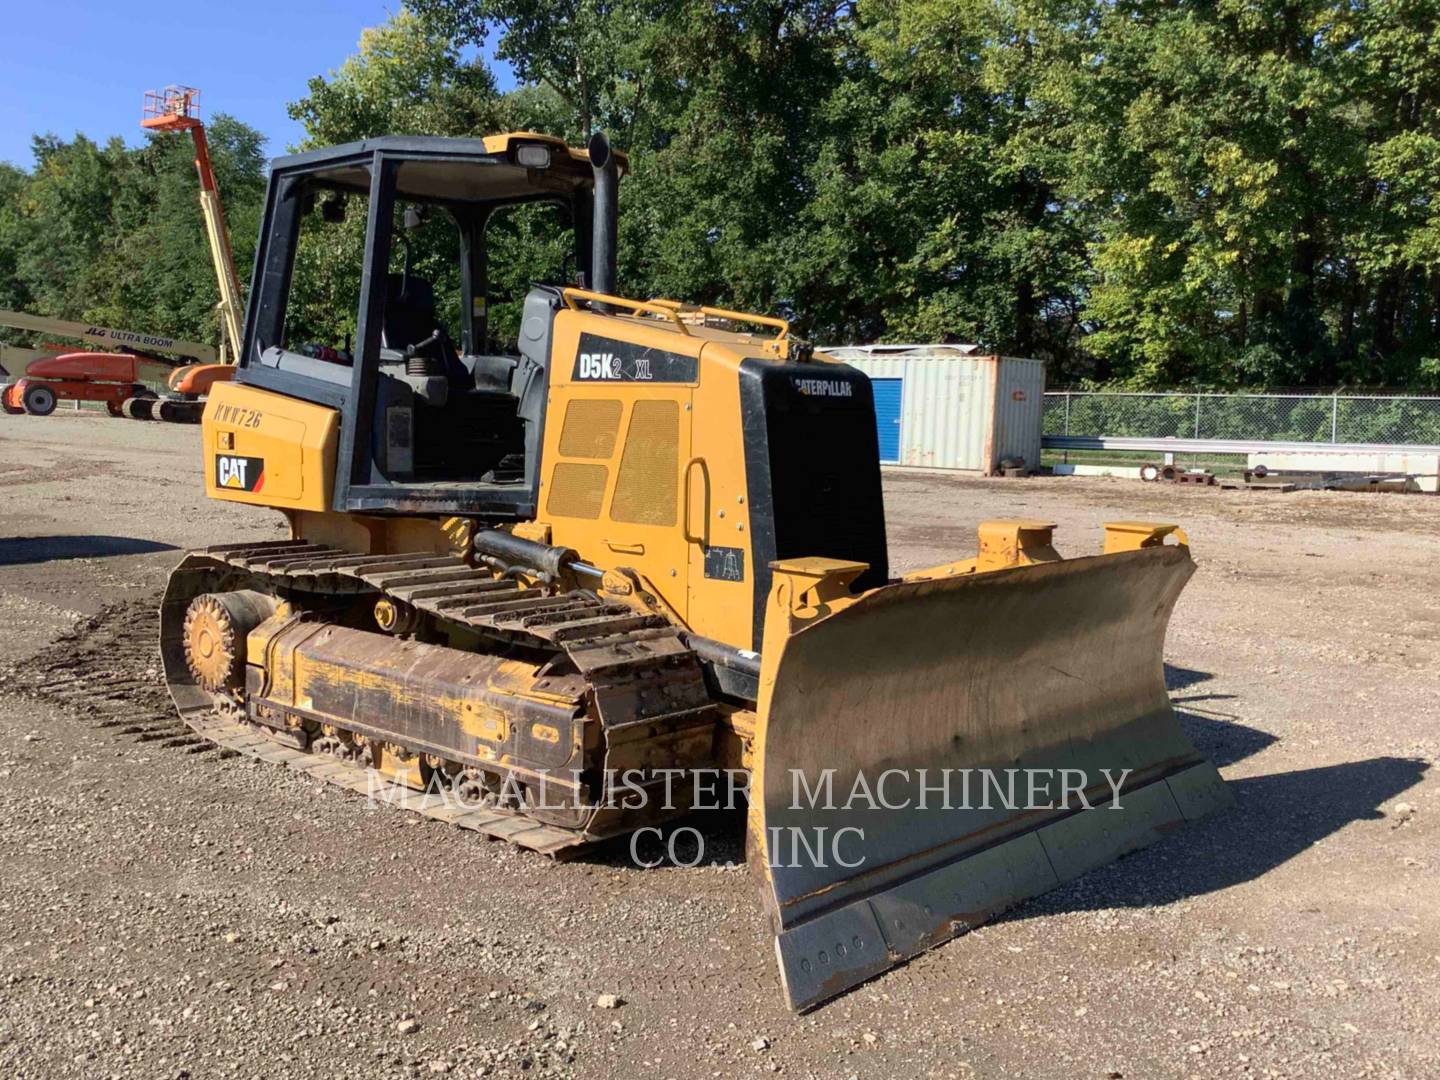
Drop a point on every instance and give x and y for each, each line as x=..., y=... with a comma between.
x=373, y=294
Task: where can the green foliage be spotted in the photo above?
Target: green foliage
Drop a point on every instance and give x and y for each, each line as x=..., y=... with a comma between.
x=1260, y=189
x=1145, y=193
x=115, y=235
x=406, y=79
x=590, y=55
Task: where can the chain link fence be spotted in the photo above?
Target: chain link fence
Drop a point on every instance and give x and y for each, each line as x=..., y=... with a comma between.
x=1333, y=418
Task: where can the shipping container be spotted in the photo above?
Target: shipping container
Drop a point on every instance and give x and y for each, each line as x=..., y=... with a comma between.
x=952, y=406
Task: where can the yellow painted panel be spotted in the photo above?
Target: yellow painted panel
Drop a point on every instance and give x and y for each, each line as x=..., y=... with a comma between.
x=646, y=491
x=637, y=526
x=719, y=496
x=267, y=449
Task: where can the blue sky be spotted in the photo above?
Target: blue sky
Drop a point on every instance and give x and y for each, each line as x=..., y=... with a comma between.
x=72, y=65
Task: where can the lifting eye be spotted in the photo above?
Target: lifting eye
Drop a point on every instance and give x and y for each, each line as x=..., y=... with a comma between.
x=533, y=155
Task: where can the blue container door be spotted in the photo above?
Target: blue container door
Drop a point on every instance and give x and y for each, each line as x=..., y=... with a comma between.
x=887, y=417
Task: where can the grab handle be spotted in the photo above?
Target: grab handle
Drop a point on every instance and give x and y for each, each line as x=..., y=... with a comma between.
x=690, y=535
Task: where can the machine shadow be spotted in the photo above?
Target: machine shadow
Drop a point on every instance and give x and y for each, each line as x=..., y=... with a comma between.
x=1221, y=738
x=1275, y=818
x=1179, y=678
x=1217, y=734
x=19, y=550
x=704, y=839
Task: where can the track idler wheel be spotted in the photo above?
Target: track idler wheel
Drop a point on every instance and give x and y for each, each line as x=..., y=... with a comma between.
x=338, y=744
x=483, y=788
x=216, y=625
x=555, y=806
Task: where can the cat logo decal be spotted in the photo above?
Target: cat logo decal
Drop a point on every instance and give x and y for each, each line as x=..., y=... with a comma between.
x=239, y=473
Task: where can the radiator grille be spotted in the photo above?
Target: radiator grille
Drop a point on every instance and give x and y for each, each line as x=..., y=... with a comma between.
x=646, y=491
x=577, y=490
x=590, y=428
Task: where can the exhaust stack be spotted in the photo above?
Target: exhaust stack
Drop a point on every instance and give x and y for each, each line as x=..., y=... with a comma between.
x=604, y=221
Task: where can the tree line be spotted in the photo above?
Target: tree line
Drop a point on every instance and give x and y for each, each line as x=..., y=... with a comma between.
x=1151, y=193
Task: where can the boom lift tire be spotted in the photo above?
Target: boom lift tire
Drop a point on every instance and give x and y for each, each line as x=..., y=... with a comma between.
x=39, y=399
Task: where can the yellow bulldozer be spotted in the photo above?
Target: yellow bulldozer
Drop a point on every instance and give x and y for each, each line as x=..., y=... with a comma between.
x=535, y=592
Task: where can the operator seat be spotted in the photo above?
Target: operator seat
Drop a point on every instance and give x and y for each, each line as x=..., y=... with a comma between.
x=410, y=319
x=409, y=311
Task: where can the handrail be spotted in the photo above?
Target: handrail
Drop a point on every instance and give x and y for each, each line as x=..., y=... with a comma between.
x=637, y=306
x=672, y=310
x=774, y=321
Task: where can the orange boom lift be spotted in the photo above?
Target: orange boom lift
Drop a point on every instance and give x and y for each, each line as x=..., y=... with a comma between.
x=177, y=108
x=58, y=373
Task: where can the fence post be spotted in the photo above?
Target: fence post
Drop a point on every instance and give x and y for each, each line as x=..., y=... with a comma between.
x=1335, y=417
x=1197, y=415
x=1067, y=412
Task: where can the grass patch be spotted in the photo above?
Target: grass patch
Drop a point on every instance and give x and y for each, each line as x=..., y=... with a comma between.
x=1219, y=464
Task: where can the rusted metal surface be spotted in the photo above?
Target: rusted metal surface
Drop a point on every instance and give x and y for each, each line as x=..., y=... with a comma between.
x=471, y=707
x=499, y=825
x=1202, y=478
x=215, y=630
x=440, y=585
x=634, y=696
x=100, y=669
x=1036, y=669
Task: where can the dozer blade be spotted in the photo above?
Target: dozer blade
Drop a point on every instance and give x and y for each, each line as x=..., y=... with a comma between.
x=871, y=705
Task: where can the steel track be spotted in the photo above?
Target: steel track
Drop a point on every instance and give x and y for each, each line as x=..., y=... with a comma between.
x=632, y=668
x=108, y=670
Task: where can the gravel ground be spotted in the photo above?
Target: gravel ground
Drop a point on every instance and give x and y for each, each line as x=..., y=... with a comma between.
x=174, y=913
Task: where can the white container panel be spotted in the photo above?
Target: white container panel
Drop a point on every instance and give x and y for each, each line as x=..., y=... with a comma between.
x=959, y=410
x=948, y=414
x=1019, y=410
